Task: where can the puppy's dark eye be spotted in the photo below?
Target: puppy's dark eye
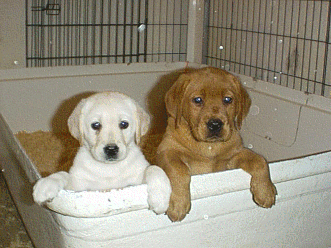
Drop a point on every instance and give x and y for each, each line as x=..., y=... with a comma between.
x=124, y=125
x=96, y=126
x=198, y=100
x=227, y=100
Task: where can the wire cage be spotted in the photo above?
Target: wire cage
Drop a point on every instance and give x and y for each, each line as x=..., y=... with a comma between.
x=285, y=42
x=84, y=32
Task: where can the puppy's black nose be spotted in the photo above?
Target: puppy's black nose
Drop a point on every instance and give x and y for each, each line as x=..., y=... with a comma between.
x=111, y=151
x=215, y=125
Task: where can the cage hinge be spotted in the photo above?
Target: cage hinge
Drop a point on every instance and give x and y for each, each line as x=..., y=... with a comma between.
x=51, y=9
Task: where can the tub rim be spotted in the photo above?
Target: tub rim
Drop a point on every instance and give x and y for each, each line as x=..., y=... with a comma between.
x=133, y=198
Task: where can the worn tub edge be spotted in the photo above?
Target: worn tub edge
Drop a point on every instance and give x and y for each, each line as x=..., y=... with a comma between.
x=89, y=204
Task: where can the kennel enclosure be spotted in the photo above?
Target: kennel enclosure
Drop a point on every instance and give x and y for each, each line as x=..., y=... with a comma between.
x=283, y=42
x=222, y=207
x=279, y=50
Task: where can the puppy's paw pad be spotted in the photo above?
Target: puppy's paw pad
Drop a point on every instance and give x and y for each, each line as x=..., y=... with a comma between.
x=46, y=189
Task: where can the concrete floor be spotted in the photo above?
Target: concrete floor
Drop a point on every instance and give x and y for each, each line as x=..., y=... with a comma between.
x=12, y=231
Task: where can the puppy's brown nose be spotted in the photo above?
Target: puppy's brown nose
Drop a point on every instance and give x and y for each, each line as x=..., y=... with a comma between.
x=111, y=151
x=215, y=125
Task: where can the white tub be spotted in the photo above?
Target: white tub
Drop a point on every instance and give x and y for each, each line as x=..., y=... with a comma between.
x=283, y=125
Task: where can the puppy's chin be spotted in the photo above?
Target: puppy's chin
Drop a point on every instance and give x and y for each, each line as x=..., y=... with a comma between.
x=203, y=135
x=106, y=160
x=213, y=139
x=100, y=156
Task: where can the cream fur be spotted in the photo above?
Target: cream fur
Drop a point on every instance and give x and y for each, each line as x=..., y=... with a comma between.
x=92, y=168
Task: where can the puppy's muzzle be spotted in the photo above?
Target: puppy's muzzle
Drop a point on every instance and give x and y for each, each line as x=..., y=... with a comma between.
x=111, y=151
x=214, y=127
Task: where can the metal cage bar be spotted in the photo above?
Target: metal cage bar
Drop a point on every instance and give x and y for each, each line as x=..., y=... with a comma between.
x=84, y=32
x=286, y=42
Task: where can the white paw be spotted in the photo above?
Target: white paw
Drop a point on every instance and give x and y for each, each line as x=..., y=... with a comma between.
x=158, y=189
x=47, y=188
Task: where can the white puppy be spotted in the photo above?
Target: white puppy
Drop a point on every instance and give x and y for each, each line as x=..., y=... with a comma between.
x=109, y=126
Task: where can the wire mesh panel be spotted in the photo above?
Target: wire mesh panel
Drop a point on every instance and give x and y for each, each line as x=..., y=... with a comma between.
x=167, y=30
x=286, y=42
x=81, y=32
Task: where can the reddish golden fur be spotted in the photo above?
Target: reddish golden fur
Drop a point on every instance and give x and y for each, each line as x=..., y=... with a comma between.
x=189, y=146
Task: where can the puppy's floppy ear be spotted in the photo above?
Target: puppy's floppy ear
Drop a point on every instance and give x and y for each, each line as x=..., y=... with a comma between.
x=75, y=121
x=142, y=123
x=175, y=96
x=244, y=103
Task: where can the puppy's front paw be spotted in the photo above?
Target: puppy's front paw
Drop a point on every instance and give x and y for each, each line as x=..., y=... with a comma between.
x=179, y=206
x=158, y=189
x=47, y=188
x=264, y=192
